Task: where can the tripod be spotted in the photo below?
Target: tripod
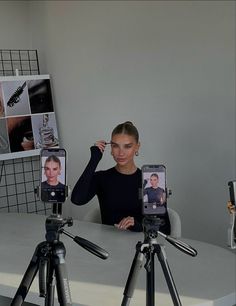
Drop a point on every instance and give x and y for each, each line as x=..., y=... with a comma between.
x=149, y=248
x=49, y=260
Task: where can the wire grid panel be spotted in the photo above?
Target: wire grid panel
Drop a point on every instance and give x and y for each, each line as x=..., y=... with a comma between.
x=19, y=180
x=19, y=177
x=25, y=62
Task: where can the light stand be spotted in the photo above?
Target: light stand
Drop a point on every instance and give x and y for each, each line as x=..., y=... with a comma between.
x=149, y=248
x=49, y=260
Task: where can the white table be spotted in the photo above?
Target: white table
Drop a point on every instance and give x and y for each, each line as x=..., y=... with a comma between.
x=205, y=280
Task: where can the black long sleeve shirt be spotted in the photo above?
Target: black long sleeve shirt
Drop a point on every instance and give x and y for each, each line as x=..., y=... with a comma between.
x=118, y=194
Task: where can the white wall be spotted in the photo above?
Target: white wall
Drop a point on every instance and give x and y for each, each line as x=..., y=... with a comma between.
x=14, y=25
x=168, y=66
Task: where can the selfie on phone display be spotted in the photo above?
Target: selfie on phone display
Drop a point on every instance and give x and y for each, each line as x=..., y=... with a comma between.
x=53, y=175
x=154, y=190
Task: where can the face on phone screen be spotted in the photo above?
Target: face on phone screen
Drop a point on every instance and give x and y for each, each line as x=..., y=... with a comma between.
x=53, y=175
x=154, y=190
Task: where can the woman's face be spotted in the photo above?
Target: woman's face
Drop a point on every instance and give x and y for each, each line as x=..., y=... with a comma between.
x=154, y=181
x=123, y=148
x=52, y=170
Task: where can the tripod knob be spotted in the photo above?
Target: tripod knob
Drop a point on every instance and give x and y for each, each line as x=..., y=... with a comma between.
x=152, y=234
x=69, y=221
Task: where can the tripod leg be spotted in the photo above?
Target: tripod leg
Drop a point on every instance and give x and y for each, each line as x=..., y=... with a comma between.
x=50, y=283
x=168, y=276
x=63, y=289
x=28, y=277
x=150, y=285
x=133, y=274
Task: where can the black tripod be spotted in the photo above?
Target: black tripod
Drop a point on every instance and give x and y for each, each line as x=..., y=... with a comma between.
x=49, y=260
x=149, y=248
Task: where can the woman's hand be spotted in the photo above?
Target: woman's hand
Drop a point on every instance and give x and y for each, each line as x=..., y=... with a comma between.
x=101, y=144
x=125, y=223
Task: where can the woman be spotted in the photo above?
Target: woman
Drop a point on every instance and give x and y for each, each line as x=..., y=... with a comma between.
x=155, y=194
x=52, y=170
x=52, y=190
x=117, y=188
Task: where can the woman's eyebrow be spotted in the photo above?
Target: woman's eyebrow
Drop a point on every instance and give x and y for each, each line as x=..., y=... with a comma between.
x=122, y=144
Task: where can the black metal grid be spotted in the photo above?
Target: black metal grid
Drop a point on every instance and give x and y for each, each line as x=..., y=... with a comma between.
x=25, y=62
x=19, y=177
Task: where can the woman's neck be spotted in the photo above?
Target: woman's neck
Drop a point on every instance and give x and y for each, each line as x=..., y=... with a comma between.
x=127, y=169
x=53, y=183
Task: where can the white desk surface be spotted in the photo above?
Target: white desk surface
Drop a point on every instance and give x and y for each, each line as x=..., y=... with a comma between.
x=206, y=280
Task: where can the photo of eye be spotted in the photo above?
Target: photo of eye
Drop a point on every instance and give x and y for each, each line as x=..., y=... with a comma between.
x=40, y=96
x=20, y=133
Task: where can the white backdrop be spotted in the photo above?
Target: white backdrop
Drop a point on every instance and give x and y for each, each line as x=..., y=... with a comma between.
x=168, y=66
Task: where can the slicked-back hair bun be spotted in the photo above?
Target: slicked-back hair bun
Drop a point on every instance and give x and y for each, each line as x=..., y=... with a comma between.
x=127, y=128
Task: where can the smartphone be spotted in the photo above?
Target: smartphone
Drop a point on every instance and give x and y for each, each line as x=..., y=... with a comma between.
x=232, y=191
x=154, y=190
x=53, y=175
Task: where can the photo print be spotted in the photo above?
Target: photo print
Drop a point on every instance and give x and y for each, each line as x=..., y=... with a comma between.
x=40, y=96
x=15, y=95
x=45, y=130
x=20, y=133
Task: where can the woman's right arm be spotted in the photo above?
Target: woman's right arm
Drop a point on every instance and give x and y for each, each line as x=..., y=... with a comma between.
x=85, y=188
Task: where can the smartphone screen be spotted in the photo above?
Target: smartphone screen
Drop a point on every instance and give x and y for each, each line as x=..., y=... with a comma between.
x=154, y=190
x=53, y=175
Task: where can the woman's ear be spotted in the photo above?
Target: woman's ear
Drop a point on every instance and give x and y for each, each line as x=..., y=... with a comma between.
x=138, y=146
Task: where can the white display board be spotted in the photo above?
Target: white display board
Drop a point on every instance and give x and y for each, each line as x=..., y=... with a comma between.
x=27, y=117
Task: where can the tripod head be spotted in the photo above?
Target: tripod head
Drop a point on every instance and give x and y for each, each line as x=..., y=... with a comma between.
x=55, y=223
x=151, y=226
x=55, y=226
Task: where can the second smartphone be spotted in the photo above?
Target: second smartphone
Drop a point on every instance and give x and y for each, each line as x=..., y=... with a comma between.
x=154, y=190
